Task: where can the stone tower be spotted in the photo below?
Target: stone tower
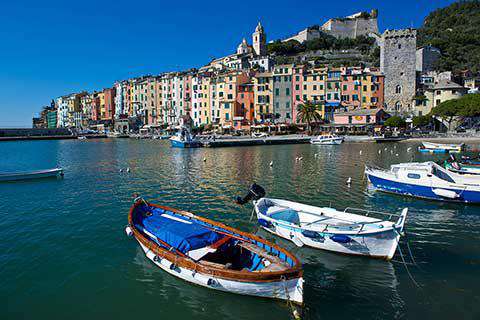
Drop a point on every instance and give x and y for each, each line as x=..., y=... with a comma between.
x=259, y=39
x=397, y=62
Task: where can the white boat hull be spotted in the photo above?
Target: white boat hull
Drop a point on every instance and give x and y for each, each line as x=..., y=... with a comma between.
x=40, y=174
x=327, y=141
x=286, y=290
x=443, y=146
x=380, y=246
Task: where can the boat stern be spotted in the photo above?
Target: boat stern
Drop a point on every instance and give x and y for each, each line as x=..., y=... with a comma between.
x=296, y=293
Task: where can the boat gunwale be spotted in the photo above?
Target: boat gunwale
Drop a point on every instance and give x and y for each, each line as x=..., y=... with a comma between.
x=29, y=173
x=360, y=232
x=294, y=272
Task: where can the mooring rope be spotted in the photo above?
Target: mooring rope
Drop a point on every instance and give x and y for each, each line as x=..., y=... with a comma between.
x=293, y=310
x=406, y=268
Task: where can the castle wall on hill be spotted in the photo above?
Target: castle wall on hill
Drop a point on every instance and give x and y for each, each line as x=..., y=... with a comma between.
x=351, y=28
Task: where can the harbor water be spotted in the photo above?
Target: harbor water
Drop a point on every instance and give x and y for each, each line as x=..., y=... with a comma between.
x=64, y=252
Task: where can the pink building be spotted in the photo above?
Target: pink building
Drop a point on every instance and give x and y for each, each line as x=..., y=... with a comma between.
x=297, y=93
x=360, y=117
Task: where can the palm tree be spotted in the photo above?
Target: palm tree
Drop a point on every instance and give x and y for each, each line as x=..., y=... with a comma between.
x=308, y=113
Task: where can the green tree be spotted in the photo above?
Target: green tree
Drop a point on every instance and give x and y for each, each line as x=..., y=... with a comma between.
x=455, y=30
x=447, y=110
x=465, y=107
x=307, y=113
x=421, y=121
x=395, y=122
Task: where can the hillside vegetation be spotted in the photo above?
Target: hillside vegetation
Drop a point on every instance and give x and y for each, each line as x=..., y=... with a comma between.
x=455, y=30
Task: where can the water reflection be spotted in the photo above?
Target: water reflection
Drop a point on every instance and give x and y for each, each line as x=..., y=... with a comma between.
x=77, y=224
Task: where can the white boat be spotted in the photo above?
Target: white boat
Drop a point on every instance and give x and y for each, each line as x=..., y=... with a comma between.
x=443, y=146
x=425, y=180
x=351, y=231
x=82, y=138
x=212, y=255
x=327, y=139
x=26, y=175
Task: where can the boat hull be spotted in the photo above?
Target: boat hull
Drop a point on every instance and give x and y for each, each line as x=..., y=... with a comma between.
x=443, y=146
x=421, y=191
x=291, y=289
x=53, y=173
x=327, y=142
x=380, y=245
x=425, y=150
x=184, y=144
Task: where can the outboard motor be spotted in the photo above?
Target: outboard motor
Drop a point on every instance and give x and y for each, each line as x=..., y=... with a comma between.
x=256, y=192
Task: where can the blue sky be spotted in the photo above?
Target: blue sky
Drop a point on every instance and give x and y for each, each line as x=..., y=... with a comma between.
x=51, y=48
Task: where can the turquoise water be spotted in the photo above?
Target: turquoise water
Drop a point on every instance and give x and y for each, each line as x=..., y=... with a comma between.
x=64, y=253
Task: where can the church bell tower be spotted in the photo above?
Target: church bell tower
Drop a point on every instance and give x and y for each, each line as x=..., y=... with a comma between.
x=259, y=40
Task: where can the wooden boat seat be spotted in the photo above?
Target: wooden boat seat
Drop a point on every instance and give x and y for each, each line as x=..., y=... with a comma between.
x=276, y=264
x=213, y=264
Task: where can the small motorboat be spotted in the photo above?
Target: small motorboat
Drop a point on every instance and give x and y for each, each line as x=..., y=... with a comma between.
x=82, y=138
x=443, y=147
x=351, y=231
x=26, y=175
x=210, y=254
x=327, y=139
x=425, y=180
x=184, y=139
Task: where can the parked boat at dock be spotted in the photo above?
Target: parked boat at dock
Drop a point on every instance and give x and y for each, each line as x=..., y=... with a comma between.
x=184, y=139
x=213, y=255
x=425, y=180
x=26, y=175
x=327, y=139
x=442, y=147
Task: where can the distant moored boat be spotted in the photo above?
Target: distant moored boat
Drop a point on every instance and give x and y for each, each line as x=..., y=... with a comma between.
x=26, y=175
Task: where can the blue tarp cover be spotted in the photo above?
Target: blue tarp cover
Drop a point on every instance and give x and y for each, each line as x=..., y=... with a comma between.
x=181, y=233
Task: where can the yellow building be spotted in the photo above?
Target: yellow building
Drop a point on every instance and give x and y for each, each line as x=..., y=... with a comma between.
x=263, y=93
x=438, y=93
x=204, y=100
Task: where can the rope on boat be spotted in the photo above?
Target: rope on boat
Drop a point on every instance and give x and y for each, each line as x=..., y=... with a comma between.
x=251, y=216
x=293, y=310
x=405, y=264
x=406, y=268
x=409, y=250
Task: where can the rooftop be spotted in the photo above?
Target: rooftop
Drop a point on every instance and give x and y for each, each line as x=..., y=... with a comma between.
x=446, y=84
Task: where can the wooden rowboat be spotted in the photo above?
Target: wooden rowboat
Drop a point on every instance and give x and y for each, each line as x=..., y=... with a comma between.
x=213, y=255
x=37, y=174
